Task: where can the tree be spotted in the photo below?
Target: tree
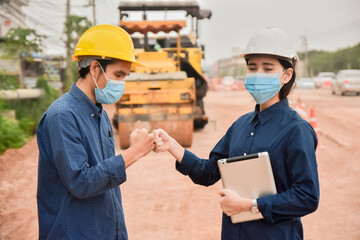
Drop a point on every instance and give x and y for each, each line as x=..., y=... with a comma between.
x=322, y=61
x=21, y=43
x=75, y=26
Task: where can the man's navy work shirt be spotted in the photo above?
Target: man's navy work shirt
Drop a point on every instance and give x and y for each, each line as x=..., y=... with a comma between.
x=291, y=143
x=79, y=175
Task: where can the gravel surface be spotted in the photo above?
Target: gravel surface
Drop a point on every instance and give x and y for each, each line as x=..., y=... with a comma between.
x=160, y=203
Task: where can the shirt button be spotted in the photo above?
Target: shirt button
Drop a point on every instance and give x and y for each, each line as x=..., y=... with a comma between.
x=252, y=133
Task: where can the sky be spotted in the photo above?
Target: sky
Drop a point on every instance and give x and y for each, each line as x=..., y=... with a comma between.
x=327, y=24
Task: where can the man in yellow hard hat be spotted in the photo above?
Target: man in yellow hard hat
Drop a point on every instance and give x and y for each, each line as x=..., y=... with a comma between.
x=79, y=174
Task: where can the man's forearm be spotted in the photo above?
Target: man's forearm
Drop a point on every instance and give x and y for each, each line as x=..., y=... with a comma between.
x=130, y=156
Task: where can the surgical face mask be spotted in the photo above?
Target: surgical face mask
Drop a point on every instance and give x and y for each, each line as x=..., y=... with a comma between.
x=111, y=93
x=263, y=86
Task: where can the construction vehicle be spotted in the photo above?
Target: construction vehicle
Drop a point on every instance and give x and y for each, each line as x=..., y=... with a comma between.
x=168, y=92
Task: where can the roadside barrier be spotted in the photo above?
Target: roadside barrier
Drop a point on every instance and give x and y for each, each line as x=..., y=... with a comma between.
x=301, y=110
x=313, y=123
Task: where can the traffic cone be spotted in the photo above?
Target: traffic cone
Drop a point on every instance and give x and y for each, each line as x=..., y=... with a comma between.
x=301, y=110
x=313, y=123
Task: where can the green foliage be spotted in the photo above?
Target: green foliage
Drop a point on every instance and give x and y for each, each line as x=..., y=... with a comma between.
x=75, y=26
x=322, y=61
x=21, y=42
x=12, y=134
x=32, y=109
x=8, y=81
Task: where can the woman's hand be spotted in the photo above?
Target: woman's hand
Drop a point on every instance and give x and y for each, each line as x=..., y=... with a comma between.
x=232, y=203
x=161, y=140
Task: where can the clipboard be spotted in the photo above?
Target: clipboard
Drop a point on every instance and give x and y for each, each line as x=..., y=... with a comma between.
x=250, y=176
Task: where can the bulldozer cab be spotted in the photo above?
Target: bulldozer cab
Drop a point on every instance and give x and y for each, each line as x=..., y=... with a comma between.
x=168, y=92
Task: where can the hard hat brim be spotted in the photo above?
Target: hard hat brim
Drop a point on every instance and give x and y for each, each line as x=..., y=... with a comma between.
x=134, y=63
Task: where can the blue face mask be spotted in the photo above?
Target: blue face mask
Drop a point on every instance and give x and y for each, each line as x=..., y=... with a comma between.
x=111, y=93
x=263, y=86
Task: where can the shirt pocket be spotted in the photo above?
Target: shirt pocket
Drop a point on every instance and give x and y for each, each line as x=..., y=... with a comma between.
x=110, y=138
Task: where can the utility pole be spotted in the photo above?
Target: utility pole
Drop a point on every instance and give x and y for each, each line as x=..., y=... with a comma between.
x=93, y=10
x=68, y=53
x=68, y=72
x=91, y=3
x=304, y=42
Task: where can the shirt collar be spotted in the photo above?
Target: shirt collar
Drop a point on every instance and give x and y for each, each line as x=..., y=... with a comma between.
x=89, y=106
x=269, y=112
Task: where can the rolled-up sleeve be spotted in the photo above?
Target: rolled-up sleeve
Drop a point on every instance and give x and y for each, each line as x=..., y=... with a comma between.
x=303, y=195
x=71, y=160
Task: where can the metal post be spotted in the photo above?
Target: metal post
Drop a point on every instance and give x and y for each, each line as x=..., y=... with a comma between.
x=178, y=51
x=94, y=15
x=146, y=40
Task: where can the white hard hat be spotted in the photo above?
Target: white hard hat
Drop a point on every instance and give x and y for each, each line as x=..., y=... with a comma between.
x=271, y=41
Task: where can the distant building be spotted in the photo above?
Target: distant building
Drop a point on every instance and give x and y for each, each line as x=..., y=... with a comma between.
x=233, y=66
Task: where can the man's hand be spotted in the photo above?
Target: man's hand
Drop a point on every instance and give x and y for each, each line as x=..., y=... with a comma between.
x=232, y=203
x=141, y=143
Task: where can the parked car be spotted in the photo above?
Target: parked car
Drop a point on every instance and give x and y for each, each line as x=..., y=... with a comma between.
x=240, y=80
x=324, y=79
x=346, y=81
x=306, y=83
x=229, y=83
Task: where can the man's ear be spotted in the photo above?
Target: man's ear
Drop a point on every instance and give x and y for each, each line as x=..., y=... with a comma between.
x=288, y=75
x=94, y=68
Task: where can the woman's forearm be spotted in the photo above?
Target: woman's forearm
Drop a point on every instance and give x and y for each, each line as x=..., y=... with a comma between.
x=176, y=150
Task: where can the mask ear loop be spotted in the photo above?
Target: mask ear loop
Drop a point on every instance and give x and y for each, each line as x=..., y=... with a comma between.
x=94, y=78
x=109, y=80
x=103, y=72
x=281, y=75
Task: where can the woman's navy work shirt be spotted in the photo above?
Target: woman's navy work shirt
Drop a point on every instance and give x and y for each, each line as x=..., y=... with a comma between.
x=79, y=175
x=291, y=143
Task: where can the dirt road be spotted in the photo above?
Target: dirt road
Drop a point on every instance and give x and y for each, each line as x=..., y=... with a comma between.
x=161, y=204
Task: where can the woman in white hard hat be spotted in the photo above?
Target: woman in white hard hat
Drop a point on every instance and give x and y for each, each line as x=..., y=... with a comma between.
x=273, y=127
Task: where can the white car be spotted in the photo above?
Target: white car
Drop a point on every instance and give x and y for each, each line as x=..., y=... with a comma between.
x=229, y=83
x=346, y=81
x=324, y=79
x=306, y=83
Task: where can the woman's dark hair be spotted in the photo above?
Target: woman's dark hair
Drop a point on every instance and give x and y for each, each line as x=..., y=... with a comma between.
x=103, y=62
x=286, y=89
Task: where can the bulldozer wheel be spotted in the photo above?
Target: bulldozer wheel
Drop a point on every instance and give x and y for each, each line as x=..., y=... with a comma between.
x=124, y=135
x=199, y=124
x=115, y=122
x=184, y=133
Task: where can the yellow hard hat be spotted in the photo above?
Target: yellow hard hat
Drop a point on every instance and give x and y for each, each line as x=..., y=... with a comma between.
x=106, y=41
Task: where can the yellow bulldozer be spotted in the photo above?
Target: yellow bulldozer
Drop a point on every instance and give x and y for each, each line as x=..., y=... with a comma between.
x=168, y=92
